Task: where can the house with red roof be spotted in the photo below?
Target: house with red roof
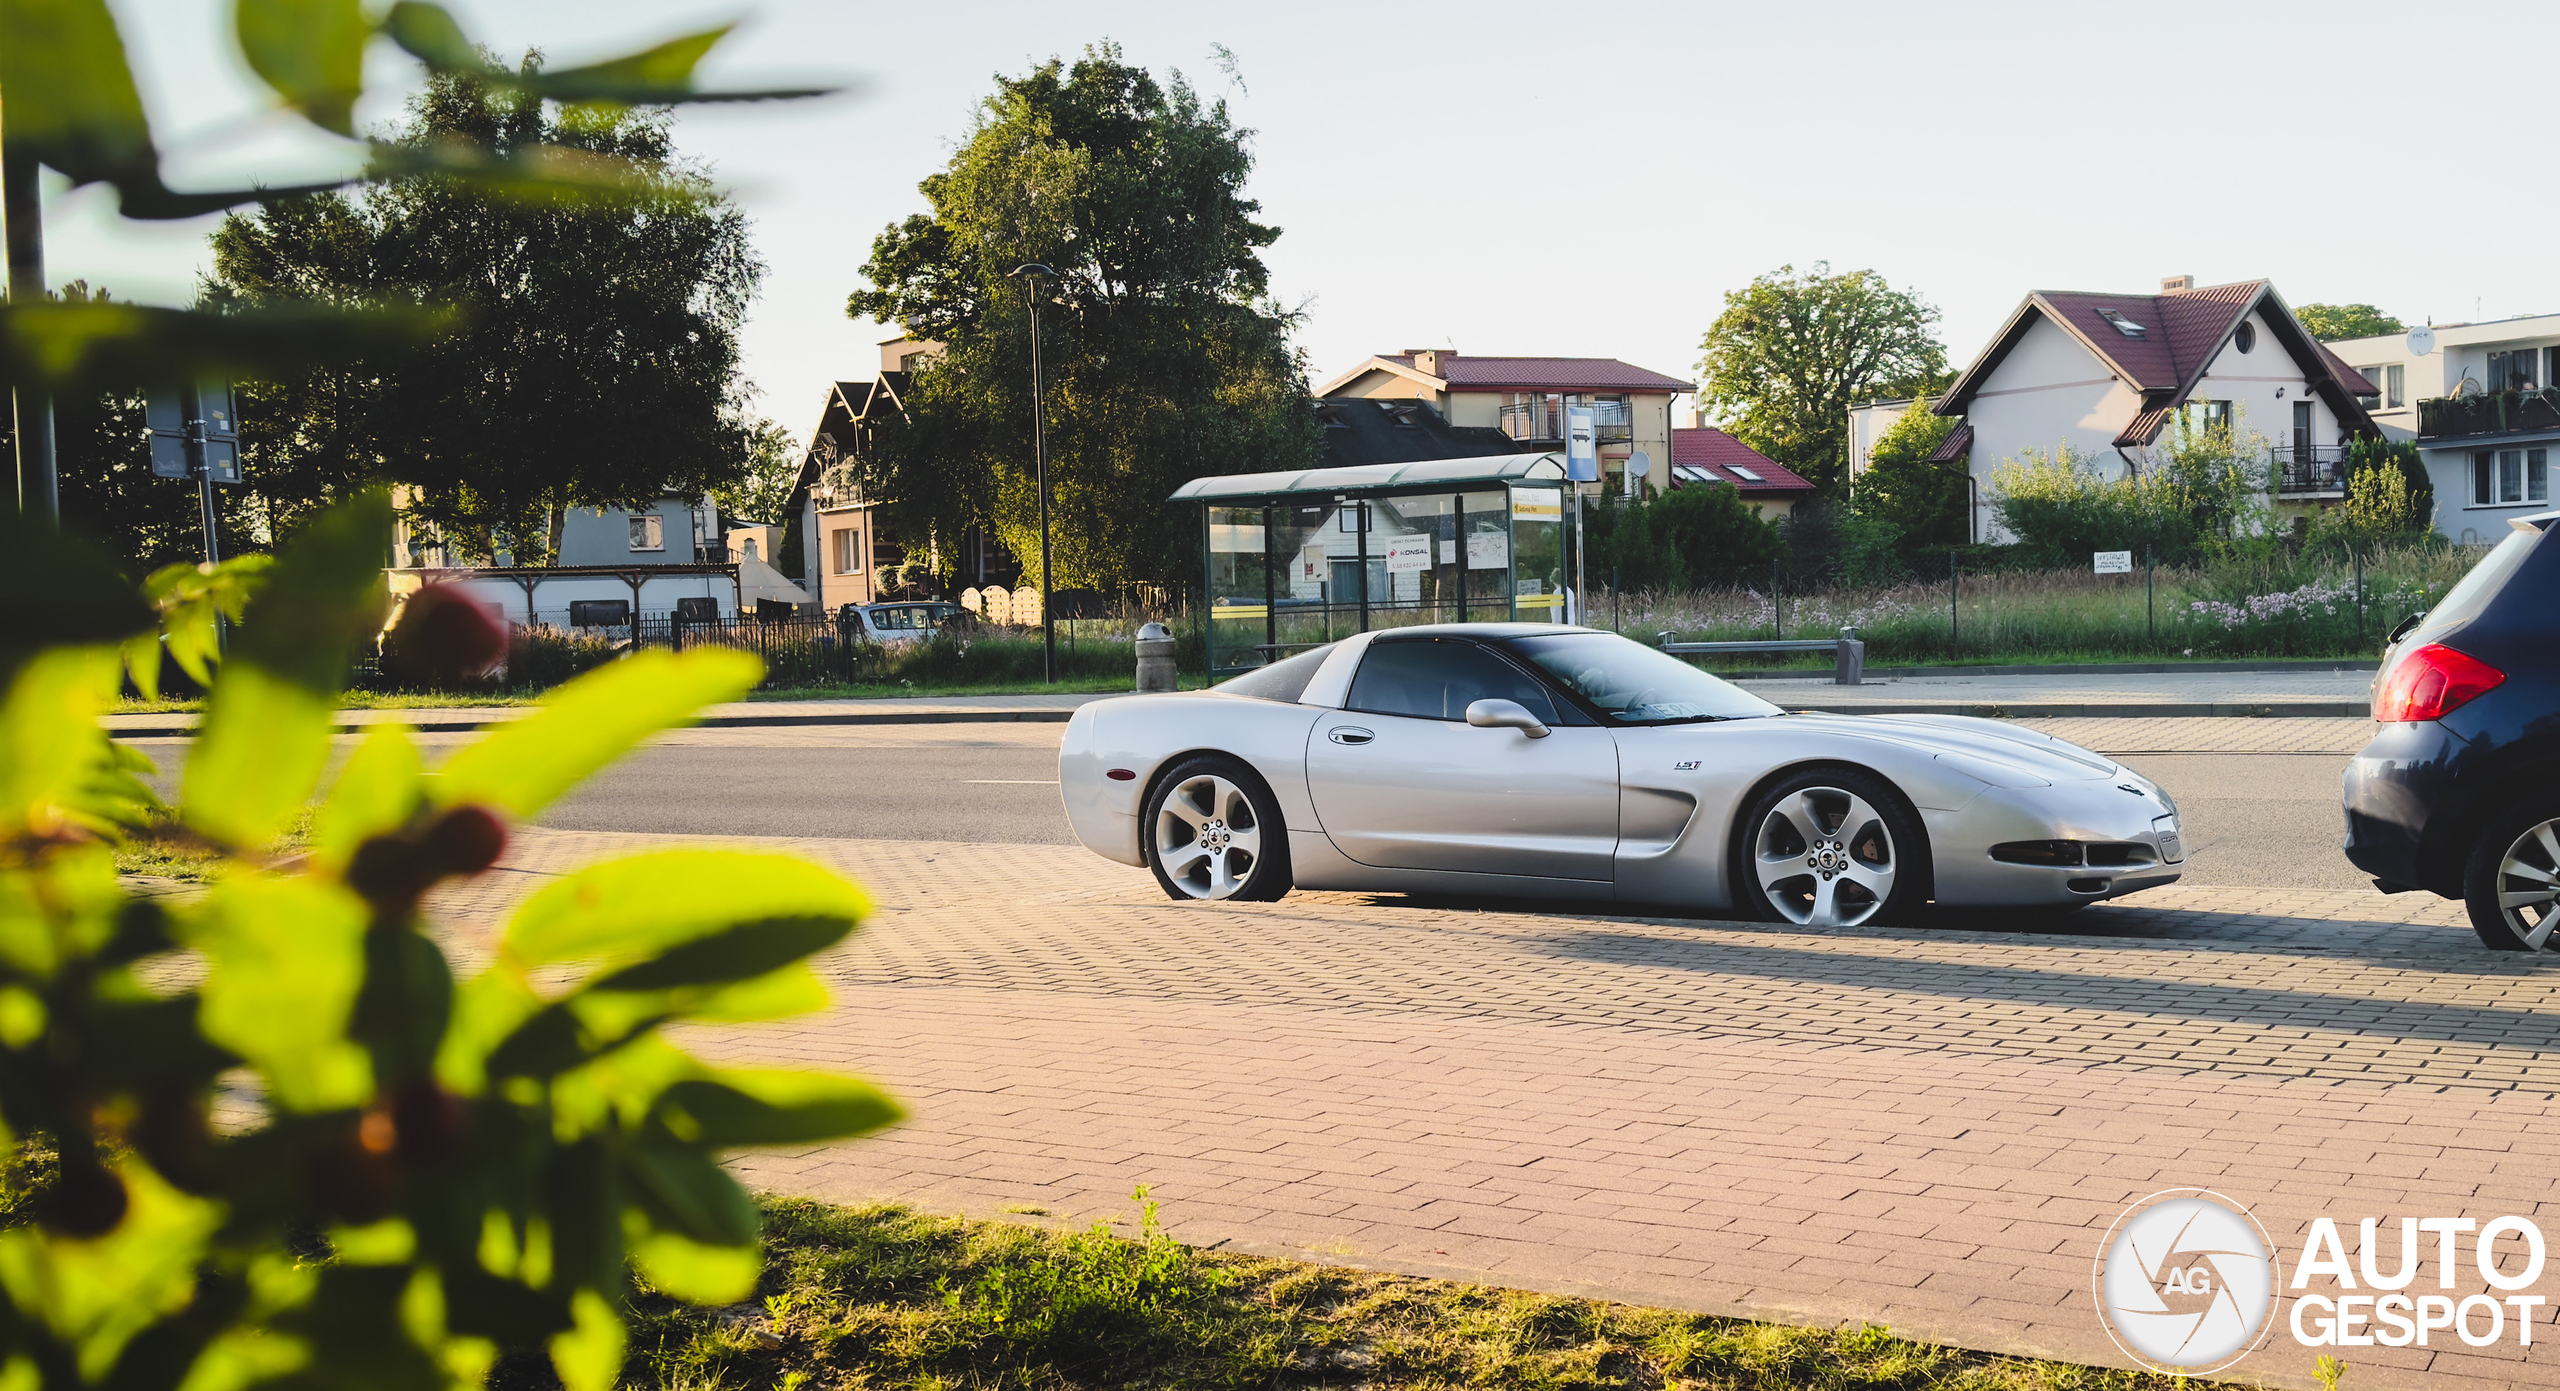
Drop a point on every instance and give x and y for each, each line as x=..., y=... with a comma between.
x=2108, y=374
x=1703, y=455
x=1525, y=398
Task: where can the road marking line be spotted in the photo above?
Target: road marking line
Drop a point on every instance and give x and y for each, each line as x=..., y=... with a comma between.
x=1016, y=782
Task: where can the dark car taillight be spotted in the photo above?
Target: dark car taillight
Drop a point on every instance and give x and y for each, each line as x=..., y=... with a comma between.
x=2431, y=683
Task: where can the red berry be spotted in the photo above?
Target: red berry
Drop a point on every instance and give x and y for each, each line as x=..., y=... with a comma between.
x=445, y=639
x=390, y=872
x=466, y=840
x=86, y=1199
x=427, y=1119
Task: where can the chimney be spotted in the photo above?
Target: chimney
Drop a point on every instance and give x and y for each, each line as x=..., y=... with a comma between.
x=2171, y=284
x=1428, y=359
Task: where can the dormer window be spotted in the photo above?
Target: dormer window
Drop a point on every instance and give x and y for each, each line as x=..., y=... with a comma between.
x=2125, y=326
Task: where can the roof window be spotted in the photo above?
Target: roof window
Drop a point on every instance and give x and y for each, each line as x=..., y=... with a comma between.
x=1691, y=473
x=2125, y=326
x=1748, y=473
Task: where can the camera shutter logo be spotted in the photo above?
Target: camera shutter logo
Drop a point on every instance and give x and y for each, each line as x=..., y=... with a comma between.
x=2186, y=1281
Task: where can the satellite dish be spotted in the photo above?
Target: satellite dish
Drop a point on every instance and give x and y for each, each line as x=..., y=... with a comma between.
x=2422, y=341
x=1639, y=463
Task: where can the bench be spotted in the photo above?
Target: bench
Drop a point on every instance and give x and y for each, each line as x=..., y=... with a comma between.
x=1849, y=656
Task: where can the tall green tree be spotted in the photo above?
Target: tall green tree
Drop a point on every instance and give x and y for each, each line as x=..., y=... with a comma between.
x=1163, y=355
x=594, y=359
x=2331, y=322
x=1923, y=503
x=1792, y=352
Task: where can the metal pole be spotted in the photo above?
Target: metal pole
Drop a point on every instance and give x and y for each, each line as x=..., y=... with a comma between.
x=1360, y=519
x=1581, y=572
x=2358, y=557
x=1270, y=590
x=2150, y=613
x=1458, y=548
x=191, y=415
x=39, y=487
x=1777, y=614
x=1040, y=461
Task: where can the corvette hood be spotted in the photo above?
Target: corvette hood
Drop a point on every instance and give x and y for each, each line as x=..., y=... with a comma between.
x=1997, y=742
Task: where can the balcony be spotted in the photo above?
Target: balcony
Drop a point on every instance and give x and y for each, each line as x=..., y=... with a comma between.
x=2490, y=413
x=1540, y=416
x=2307, y=470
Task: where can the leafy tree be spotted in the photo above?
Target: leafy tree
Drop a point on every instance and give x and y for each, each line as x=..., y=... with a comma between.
x=2389, y=496
x=768, y=480
x=1162, y=354
x=1689, y=537
x=1791, y=353
x=2331, y=322
x=593, y=360
x=1921, y=502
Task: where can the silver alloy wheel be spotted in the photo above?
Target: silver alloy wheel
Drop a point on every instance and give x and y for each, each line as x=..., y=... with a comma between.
x=2528, y=885
x=1207, y=837
x=1824, y=858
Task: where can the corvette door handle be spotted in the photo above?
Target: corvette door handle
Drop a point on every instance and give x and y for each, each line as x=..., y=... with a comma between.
x=1351, y=736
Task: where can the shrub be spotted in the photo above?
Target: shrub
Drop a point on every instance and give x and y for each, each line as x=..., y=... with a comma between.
x=2062, y=507
x=435, y=1171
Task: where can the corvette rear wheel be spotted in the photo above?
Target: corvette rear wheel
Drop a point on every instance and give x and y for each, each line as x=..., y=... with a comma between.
x=1830, y=847
x=1214, y=833
x=2512, y=884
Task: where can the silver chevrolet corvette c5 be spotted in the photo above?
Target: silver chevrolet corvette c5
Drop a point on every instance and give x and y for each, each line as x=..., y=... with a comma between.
x=1536, y=760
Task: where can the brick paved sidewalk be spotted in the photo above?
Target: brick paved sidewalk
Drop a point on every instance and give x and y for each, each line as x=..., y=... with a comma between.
x=1929, y=1127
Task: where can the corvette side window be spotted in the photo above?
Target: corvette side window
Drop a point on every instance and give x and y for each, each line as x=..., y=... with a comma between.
x=1437, y=679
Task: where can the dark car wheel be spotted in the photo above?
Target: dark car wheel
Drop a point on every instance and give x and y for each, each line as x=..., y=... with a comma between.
x=2512, y=885
x=1212, y=831
x=1830, y=847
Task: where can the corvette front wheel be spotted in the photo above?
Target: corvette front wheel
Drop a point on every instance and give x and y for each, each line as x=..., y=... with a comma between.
x=1830, y=847
x=1212, y=832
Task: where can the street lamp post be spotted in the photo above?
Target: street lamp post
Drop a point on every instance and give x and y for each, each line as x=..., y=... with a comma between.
x=1031, y=273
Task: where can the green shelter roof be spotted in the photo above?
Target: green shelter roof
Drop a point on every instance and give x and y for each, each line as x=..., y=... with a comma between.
x=1430, y=475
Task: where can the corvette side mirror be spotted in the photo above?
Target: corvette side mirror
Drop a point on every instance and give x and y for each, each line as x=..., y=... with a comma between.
x=1505, y=714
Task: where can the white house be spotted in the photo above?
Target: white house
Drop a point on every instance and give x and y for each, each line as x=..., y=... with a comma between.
x=2106, y=373
x=2480, y=404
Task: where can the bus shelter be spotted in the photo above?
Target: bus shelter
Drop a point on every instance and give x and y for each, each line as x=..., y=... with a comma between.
x=1296, y=560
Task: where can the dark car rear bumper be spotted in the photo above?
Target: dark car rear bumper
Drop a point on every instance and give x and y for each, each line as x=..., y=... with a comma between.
x=2388, y=792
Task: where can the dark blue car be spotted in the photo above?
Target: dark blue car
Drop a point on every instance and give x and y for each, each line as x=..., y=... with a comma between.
x=2459, y=793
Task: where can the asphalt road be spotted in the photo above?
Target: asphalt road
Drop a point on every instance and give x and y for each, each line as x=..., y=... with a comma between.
x=2266, y=820
x=1006, y=795
x=2251, y=820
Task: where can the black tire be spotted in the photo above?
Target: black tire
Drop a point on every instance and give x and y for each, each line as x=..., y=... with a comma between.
x=1867, y=838
x=1248, y=864
x=2517, y=851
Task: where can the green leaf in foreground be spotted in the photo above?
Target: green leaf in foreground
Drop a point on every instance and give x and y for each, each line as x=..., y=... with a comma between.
x=310, y=51
x=521, y=767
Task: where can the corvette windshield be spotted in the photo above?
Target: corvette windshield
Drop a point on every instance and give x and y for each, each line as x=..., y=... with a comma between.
x=1633, y=684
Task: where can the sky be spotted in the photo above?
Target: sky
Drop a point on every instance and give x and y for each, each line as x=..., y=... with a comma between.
x=1590, y=180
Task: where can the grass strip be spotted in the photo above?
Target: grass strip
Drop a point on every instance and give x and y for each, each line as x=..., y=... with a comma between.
x=886, y=1297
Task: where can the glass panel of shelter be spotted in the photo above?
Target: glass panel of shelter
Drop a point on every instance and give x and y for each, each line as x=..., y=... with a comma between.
x=1286, y=577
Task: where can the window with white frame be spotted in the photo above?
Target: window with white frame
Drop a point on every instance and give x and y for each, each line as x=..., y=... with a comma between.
x=2395, y=387
x=2207, y=415
x=848, y=544
x=2505, y=477
x=649, y=532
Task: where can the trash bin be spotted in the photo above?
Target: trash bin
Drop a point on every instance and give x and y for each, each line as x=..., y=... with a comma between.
x=1155, y=658
x=1852, y=661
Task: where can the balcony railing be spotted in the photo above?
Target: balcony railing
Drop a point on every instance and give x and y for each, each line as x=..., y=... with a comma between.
x=1542, y=418
x=2490, y=413
x=2305, y=469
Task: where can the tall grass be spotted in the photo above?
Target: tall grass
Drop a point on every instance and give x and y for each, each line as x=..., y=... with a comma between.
x=2269, y=606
